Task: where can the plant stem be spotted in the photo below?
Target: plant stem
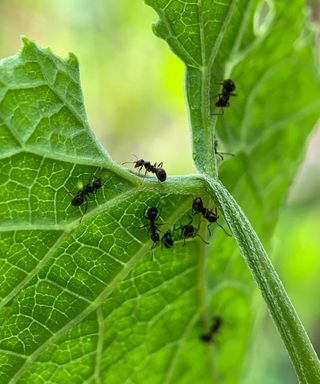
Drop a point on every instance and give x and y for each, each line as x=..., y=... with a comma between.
x=292, y=332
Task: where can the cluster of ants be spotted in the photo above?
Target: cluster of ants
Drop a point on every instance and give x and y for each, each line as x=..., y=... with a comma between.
x=186, y=231
x=90, y=189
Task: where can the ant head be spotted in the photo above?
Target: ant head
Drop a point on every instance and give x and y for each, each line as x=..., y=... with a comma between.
x=152, y=213
x=98, y=183
x=138, y=163
x=197, y=205
x=229, y=85
x=168, y=241
x=161, y=174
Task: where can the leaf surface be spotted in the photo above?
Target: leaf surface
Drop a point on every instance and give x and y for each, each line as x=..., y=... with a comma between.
x=81, y=301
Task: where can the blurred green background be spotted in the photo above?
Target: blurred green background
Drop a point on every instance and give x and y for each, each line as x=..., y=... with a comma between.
x=132, y=86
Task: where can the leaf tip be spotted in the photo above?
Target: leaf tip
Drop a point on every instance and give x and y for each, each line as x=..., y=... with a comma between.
x=26, y=42
x=72, y=59
x=156, y=28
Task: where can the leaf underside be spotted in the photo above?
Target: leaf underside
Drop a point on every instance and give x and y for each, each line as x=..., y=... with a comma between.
x=80, y=299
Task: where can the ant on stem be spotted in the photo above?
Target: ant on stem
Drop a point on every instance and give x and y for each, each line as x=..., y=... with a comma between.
x=228, y=86
x=213, y=330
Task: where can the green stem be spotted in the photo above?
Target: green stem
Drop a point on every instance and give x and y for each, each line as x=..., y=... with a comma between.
x=202, y=127
x=293, y=334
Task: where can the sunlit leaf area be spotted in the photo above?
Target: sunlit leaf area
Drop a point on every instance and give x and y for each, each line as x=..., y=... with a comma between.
x=68, y=314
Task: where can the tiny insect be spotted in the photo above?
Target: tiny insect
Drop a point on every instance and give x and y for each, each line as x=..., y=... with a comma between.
x=209, y=215
x=155, y=168
x=228, y=86
x=168, y=239
x=152, y=216
x=213, y=330
x=189, y=231
x=83, y=194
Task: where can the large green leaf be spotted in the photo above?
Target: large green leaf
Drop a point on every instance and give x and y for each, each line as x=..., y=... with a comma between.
x=64, y=275
x=81, y=301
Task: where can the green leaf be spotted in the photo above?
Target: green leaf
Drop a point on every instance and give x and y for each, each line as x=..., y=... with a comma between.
x=60, y=267
x=81, y=301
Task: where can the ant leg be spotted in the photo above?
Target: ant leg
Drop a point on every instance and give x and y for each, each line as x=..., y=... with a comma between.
x=85, y=209
x=191, y=220
x=201, y=238
x=219, y=225
x=152, y=248
x=160, y=165
x=184, y=241
x=219, y=154
x=197, y=234
x=140, y=168
x=225, y=153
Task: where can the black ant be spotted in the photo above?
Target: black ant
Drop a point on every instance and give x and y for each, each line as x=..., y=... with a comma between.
x=158, y=170
x=209, y=215
x=188, y=231
x=152, y=215
x=83, y=194
x=213, y=330
x=168, y=239
x=228, y=86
